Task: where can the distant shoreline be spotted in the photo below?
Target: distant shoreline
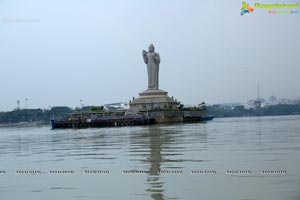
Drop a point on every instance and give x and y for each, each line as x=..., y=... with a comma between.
x=38, y=117
x=44, y=123
x=241, y=111
x=24, y=124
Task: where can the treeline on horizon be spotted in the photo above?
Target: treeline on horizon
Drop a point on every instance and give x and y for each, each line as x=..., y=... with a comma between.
x=241, y=111
x=33, y=115
x=43, y=115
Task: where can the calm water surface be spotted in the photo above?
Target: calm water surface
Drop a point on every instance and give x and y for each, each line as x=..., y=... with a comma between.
x=167, y=157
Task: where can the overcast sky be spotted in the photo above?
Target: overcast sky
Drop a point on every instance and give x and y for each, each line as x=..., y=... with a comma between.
x=56, y=52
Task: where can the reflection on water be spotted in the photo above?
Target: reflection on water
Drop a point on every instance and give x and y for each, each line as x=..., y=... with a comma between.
x=256, y=144
x=166, y=147
x=156, y=139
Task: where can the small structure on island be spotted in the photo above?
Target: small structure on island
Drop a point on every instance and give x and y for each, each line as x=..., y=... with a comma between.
x=153, y=98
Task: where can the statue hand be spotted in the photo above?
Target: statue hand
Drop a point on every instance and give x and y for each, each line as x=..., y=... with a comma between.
x=144, y=52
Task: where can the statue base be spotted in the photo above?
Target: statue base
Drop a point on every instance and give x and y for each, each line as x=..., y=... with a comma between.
x=153, y=99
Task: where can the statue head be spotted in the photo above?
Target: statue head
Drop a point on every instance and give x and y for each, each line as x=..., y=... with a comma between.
x=151, y=48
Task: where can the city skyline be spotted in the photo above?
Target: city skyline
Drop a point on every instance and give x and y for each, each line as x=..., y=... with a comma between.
x=267, y=100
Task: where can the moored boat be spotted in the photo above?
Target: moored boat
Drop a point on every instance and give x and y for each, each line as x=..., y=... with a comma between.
x=101, y=122
x=207, y=118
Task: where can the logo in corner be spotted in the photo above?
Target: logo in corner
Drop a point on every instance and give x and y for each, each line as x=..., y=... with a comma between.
x=246, y=8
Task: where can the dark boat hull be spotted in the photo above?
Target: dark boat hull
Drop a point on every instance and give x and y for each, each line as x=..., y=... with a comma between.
x=207, y=118
x=101, y=123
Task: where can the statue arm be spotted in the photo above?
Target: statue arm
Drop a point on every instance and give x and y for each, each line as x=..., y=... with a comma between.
x=145, y=56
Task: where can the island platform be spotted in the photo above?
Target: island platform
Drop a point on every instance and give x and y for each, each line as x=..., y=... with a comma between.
x=115, y=119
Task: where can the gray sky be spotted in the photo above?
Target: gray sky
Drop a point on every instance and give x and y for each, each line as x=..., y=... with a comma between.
x=57, y=52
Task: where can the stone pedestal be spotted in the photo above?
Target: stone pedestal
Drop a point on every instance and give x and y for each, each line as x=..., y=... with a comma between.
x=151, y=99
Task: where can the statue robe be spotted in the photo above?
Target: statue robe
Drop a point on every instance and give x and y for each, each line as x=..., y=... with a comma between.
x=152, y=60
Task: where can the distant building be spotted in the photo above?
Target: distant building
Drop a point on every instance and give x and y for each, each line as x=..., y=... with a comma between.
x=297, y=100
x=256, y=103
x=228, y=106
x=116, y=106
x=272, y=99
x=286, y=101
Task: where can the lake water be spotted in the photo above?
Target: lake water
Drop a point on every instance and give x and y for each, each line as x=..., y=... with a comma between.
x=233, y=158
